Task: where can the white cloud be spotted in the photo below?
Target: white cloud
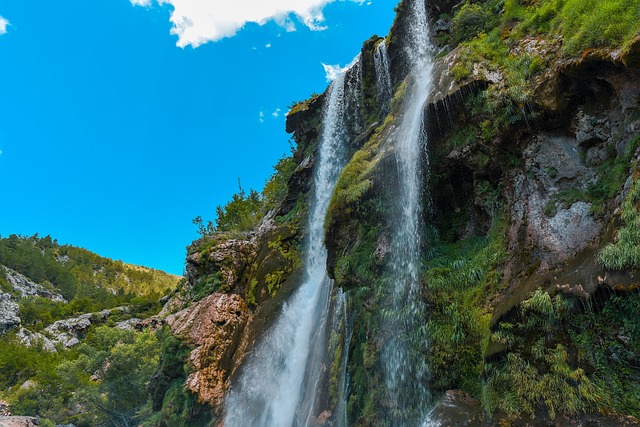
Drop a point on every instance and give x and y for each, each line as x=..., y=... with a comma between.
x=0, y=152
x=333, y=71
x=3, y=25
x=276, y=113
x=261, y=117
x=196, y=22
x=268, y=45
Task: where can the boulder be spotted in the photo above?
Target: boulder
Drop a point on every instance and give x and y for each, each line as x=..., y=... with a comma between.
x=19, y=422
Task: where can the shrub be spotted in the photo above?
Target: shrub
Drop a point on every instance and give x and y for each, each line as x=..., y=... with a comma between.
x=471, y=20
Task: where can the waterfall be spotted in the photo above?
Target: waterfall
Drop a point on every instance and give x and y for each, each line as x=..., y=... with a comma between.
x=344, y=331
x=406, y=371
x=279, y=382
x=383, y=77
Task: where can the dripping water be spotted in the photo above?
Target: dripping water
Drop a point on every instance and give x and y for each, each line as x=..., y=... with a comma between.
x=278, y=385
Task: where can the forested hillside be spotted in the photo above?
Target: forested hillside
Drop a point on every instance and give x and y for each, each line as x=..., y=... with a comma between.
x=70, y=342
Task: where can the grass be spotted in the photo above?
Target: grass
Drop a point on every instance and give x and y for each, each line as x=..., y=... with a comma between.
x=459, y=277
x=566, y=357
x=625, y=252
x=536, y=371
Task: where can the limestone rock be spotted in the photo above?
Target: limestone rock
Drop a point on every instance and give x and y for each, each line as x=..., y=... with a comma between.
x=66, y=332
x=215, y=326
x=30, y=339
x=9, y=312
x=19, y=422
x=27, y=287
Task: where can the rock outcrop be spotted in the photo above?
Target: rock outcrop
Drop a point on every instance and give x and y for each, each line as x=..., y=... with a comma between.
x=69, y=332
x=214, y=326
x=15, y=421
x=9, y=313
x=26, y=287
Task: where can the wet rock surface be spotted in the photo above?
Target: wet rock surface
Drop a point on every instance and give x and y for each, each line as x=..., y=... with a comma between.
x=458, y=409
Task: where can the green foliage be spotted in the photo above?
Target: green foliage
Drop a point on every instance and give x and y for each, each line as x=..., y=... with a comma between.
x=459, y=276
x=19, y=363
x=608, y=340
x=172, y=404
x=207, y=285
x=77, y=272
x=598, y=23
x=488, y=31
x=625, y=252
x=516, y=386
x=583, y=24
x=106, y=376
x=276, y=188
x=471, y=20
x=538, y=373
x=567, y=358
x=242, y=213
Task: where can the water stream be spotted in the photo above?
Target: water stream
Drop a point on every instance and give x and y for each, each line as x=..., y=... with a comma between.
x=279, y=383
x=383, y=77
x=406, y=370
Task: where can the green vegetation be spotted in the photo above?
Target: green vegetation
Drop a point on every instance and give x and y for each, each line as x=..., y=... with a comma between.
x=171, y=404
x=115, y=378
x=471, y=20
x=490, y=33
x=539, y=368
x=88, y=281
x=582, y=24
x=459, y=278
x=244, y=211
x=625, y=252
x=76, y=272
x=101, y=382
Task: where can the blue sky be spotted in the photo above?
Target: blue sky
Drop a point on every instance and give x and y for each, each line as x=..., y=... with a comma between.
x=120, y=123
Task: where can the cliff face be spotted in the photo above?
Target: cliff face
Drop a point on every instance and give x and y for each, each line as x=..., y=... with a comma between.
x=530, y=238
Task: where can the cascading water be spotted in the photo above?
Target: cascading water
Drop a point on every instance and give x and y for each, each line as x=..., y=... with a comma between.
x=279, y=382
x=383, y=77
x=407, y=373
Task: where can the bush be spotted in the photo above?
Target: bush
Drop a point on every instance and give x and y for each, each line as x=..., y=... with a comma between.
x=471, y=20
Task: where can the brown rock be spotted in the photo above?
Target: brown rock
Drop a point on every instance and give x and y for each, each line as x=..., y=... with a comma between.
x=215, y=326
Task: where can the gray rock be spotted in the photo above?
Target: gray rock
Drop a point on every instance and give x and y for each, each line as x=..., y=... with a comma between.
x=68, y=332
x=590, y=129
x=9, y=311
x=27, y=287
x=442, y=26
x=31, y=339
x=129, y=325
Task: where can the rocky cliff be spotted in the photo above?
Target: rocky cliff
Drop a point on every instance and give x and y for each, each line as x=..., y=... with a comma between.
x=530, y=229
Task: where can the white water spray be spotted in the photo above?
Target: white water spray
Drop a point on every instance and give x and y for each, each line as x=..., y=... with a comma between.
x=407, y=373
x=383, y=77
x=279, y=381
